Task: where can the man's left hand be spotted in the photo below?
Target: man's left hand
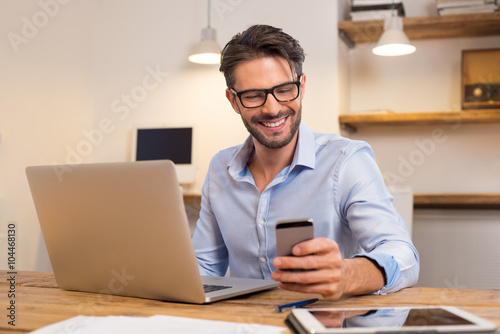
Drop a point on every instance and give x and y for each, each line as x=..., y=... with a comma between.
x=317, y=267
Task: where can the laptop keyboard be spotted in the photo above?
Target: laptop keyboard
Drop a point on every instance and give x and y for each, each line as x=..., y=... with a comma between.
x=212, y=287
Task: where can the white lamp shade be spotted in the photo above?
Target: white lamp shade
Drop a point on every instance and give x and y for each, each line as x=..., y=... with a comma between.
x=208, y=50
x=393, y=41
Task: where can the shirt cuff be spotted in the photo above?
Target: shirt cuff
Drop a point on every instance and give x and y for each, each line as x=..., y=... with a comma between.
x=388, y=264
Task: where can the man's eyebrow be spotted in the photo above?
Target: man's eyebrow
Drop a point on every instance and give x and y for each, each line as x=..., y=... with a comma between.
x=283, y=83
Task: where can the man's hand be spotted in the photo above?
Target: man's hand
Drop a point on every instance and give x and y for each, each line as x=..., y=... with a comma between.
x=325, y=272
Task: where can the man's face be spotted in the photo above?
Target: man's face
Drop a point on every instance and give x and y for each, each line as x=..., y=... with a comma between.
x=274, y=124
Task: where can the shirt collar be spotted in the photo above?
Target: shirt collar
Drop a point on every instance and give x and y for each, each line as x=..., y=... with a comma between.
x=305, y=152
x=238, y=163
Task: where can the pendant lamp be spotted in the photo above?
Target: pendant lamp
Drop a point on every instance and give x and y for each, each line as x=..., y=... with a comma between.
x=393, y=41
x=207, y=51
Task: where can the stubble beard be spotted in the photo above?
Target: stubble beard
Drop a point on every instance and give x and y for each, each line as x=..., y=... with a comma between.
x=253, y=129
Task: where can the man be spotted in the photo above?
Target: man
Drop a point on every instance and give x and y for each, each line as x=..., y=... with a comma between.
x=286, y=171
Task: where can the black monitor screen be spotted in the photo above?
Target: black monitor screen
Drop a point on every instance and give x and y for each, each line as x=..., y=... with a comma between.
x=164, y=143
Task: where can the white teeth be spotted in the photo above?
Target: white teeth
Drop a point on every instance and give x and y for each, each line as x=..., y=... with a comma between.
x=273, y=125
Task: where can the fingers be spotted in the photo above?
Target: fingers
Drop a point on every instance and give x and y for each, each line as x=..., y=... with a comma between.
x=325, y=276
x=328, y=283
x=309, y=262
x=327, y=291
x=315, y=246
x=317, y=267
x=320, y=253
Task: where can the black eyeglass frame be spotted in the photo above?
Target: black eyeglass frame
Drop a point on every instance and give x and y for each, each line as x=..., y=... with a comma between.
x=269, y=91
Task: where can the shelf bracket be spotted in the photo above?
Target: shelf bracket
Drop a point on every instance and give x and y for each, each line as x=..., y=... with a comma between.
x=344, y=37
x=348, y=128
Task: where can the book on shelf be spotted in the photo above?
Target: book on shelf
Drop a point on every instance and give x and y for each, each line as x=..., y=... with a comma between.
x=369, y=16
x=452, y=7
x=373, y=2
x=399, y=7
x=468, y=10
x=462, y=3
x=376, y=12
x=370, y=112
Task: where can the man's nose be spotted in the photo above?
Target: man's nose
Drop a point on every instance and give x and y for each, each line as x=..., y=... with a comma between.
x=272, y=106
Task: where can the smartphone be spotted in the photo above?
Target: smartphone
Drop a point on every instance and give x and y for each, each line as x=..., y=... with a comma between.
x=291, y=232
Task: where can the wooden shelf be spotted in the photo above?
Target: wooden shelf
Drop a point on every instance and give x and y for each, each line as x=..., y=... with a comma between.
x=466, y=25
x=350, y=122
x=192, y=199
x=457, y=201
x=487, y=201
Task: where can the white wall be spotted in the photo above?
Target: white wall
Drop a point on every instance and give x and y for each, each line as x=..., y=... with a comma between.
x=45, y=101
x=81, y=59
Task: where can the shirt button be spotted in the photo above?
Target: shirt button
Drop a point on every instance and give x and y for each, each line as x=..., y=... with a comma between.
x=261, y=221
x=263, y=260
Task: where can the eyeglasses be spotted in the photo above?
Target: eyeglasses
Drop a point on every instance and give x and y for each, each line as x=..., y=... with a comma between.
x=254, y=98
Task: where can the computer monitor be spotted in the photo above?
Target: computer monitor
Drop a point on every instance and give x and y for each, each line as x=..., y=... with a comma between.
x=173, y=143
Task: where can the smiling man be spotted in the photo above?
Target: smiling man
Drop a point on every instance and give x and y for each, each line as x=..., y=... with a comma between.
x=284, y=170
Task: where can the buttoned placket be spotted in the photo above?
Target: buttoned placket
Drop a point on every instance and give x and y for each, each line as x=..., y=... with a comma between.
x=261, y=223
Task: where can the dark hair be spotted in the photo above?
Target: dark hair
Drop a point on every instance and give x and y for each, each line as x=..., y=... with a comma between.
x=260, y=41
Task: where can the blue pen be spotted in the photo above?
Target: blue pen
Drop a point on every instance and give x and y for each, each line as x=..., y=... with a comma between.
x=301, y=303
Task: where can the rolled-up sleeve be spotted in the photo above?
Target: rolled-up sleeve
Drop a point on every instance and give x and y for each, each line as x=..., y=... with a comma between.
x=367, y=208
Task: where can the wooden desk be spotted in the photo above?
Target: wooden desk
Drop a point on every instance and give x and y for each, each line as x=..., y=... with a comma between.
x=39, y=302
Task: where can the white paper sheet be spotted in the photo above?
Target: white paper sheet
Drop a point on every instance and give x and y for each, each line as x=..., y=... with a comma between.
x=153, y=325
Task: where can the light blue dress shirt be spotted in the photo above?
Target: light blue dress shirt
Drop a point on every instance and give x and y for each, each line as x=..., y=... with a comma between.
x=332, y=179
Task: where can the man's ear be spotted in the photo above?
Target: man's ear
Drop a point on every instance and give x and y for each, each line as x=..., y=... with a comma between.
x=302, y=86
x=232, y=99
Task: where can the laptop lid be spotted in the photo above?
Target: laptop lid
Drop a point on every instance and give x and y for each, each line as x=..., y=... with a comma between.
x=121, y=228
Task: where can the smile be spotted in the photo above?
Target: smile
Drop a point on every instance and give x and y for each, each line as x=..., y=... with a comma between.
x=273, y=125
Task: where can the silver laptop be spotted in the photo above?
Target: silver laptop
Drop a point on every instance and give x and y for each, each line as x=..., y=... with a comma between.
x=121, y=228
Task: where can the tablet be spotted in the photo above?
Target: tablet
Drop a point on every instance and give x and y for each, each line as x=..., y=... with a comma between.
x=422, y=319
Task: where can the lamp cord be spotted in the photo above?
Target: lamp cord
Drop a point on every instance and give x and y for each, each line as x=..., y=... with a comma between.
x=392, y=8
x=208, y=13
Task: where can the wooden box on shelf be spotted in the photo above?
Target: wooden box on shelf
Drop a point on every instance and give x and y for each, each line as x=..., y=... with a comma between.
x=481, y=79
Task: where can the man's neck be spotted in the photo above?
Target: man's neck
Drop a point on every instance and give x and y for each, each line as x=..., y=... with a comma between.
x=267, y=163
